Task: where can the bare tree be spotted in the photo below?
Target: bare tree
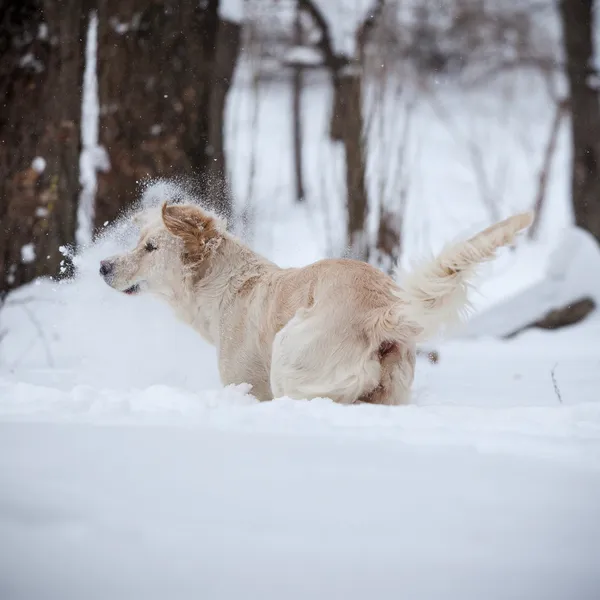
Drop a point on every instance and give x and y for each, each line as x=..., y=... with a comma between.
x=165, y=69
x=41, y=68
x=577, y=22
x=297, y=81
x=347, y=124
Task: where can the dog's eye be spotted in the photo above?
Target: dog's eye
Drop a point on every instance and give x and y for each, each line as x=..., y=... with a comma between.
x=150, y=247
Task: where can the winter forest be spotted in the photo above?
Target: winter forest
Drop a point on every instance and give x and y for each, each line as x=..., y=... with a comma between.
x=375, y=130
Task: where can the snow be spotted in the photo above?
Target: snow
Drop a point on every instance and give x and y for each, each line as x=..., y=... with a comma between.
x=27, y=253
x=92, y=157
x=231, y=10
x=38, y=164
x=185, y=513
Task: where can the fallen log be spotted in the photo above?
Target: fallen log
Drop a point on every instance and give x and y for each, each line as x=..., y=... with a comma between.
x=565, y=316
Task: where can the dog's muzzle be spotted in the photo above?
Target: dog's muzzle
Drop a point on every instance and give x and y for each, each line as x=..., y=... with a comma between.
x=106, y=268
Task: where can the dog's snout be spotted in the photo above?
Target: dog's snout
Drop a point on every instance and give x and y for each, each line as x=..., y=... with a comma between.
x=106, y=268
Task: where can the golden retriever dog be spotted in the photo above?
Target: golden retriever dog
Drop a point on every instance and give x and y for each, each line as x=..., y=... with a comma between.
x=338, y=329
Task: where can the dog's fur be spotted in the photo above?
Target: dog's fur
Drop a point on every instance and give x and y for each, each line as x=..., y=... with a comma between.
x=337, y=328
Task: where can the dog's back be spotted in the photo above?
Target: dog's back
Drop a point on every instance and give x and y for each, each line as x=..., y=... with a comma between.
x=329, y=329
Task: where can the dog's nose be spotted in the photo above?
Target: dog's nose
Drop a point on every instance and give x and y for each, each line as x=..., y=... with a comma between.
x=106, y=268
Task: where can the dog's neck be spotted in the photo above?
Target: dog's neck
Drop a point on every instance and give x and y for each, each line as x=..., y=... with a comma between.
x=202, y=298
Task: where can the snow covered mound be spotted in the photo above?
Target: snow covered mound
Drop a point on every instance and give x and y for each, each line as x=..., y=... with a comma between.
x=83, y=332
x=569, y=275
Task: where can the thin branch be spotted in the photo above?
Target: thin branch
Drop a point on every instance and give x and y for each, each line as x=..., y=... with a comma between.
x=555, y=384
x=561, y=109
x=543, y=64
x=332, y=60
x=368, y=25
x=39, y=329
x=29, y=300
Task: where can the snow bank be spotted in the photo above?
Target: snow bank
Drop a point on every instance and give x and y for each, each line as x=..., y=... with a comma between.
x=568, y=434
x=531, y=288
x=83, y=332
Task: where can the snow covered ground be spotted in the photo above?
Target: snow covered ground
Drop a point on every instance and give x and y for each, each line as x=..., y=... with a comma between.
x=126, y=471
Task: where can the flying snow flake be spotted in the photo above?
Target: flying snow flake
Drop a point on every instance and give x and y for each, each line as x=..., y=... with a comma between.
x=27, y=253
x=66, y=251
x=38, y=164
x=43, y=31
x=41, y=212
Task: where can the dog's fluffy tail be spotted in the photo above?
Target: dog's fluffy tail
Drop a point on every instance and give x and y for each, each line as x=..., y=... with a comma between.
x=434, y=294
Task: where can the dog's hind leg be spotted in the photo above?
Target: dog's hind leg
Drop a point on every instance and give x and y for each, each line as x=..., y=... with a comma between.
x=316, y=357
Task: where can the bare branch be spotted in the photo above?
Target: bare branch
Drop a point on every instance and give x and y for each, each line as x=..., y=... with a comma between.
x=40, y=331
x=561, y=109
x=555, y=384
x=369, y=24
x=333, y=61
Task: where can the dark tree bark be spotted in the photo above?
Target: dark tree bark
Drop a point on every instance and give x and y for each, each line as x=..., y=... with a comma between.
x=577, y=23
x=347, y=124
x=565, y=316
x=165, y=68
x=41, y=68
x=350, y=122
x=297, y=82
x=388, y=247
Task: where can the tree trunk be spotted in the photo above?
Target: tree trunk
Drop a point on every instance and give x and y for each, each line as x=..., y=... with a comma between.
x=346, y=124
x=297, y=81
x=164, y=72
x=577, y=22
x=349, y=121
x=41, y=69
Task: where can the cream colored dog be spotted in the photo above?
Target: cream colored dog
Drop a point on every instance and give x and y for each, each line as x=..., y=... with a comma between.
x=339, y=329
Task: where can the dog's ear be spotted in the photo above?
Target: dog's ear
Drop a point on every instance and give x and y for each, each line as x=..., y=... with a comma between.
x=197, y=229
x=186, y=222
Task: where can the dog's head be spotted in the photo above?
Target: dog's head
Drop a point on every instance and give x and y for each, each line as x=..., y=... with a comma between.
x=174, y=244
